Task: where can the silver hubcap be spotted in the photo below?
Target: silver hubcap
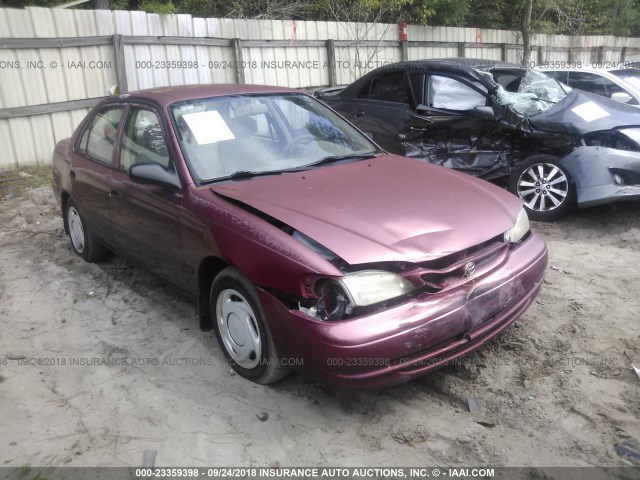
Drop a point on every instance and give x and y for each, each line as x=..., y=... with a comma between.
x=76, y=230
x=238, y=328
x=543, y=187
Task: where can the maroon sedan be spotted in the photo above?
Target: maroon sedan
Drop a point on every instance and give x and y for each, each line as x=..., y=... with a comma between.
x=305, y=244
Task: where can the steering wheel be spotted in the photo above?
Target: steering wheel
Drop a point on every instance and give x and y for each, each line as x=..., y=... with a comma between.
x=298, y=143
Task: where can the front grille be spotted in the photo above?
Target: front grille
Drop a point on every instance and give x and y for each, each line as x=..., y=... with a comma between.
x=458, y=268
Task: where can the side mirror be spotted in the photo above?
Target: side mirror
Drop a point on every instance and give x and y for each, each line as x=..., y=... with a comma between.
x=484, y=113
x=154, y=174
x=621, y=97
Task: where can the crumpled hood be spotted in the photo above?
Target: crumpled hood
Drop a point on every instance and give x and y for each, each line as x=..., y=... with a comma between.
x=582, y=112
x=388, y=208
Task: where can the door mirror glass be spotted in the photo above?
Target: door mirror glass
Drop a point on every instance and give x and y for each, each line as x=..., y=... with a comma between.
x=154, y=174
x=621, y=97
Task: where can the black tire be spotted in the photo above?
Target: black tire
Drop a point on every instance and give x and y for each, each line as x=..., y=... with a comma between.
x=543, y=201
x=83, y=241
x=234, y=298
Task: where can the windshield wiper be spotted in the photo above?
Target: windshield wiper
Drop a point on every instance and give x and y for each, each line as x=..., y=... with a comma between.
x=337, y=158
x=246, y=174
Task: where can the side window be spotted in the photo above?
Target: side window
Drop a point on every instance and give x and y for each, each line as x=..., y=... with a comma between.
x=143, y=141
x=450, y=94
x=98, y=140
x=389, y=87
x=594, y=83
x=588, y=82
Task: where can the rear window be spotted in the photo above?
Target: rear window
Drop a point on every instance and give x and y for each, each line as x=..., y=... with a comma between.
x=98, y=140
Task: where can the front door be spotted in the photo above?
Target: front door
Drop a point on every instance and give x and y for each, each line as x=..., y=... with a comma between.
x=449, y=129
x=146, y=219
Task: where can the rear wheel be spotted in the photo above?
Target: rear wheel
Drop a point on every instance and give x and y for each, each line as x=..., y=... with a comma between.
x=242, y=333
x=544, y=187
x=82, y=240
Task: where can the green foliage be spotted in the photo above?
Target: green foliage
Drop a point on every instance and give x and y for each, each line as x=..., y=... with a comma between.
x=573, y=17
x=158, y=6
x=450, y=13
x=31, y=3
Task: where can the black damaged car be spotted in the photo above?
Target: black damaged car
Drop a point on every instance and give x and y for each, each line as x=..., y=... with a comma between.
x=499, y=121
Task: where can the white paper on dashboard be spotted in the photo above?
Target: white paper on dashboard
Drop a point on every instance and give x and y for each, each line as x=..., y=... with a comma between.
x=590, y=111
x=208, y=127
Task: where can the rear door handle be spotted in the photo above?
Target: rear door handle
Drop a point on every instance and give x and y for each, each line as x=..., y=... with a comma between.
x=72, y=174
x=114, y=194
x=357, y=112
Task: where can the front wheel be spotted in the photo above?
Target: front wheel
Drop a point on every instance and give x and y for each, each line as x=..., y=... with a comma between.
x=544, y=187
x=242, y=333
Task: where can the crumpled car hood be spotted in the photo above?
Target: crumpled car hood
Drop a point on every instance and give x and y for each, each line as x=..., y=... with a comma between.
x=582, y=112
x=388, y=208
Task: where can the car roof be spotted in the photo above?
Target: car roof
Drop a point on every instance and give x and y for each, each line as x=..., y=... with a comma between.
x=168, y=95
x=443, y=62
x=454, y=65
x=602, y=71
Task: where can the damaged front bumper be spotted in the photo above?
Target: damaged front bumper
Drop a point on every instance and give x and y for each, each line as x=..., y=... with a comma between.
x=410, y=339
x=603, y=175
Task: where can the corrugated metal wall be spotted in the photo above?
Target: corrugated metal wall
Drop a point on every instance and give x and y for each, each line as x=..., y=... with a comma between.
x=37, y=76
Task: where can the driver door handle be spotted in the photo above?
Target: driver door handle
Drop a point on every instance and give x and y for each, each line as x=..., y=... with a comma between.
x=357, y=112
x=114, y=194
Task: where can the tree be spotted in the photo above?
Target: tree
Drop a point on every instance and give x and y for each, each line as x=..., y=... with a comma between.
x=272, y=9
x=358, y=18
x=526, y=33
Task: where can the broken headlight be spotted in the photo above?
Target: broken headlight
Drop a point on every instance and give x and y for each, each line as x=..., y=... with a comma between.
x=520, y=229
x=340, y=296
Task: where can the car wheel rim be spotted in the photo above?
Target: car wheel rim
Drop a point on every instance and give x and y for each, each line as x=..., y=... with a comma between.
x=543, y=187
x=76, y=230
x=238, y=328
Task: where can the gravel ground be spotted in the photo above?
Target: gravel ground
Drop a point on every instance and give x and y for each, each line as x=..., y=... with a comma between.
x=124, y=368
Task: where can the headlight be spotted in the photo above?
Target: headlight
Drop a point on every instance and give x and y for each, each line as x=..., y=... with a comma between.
x=520, y=229
x=372, y=286
x=340, y=296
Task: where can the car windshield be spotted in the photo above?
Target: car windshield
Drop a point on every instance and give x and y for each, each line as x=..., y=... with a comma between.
x=241, y=136
x=529, y=93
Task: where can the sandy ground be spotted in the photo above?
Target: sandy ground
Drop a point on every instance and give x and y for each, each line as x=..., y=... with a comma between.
x=556, y=389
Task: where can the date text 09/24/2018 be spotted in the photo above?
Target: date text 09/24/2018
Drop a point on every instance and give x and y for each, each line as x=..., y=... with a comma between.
x=253, y=64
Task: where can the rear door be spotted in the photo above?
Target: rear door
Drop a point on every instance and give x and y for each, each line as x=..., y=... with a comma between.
x=91, y=165
x=381, y=109
x=146, y=219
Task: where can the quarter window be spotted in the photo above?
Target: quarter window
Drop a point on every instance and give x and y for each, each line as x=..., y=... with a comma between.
x=390, y=87
x=98, y=140
x=143, y=140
